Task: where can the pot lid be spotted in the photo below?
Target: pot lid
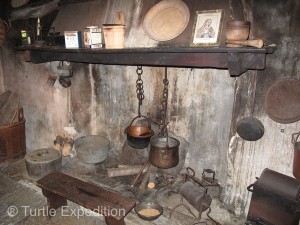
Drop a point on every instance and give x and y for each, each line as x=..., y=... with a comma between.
x=282, y=102
x=166, y=20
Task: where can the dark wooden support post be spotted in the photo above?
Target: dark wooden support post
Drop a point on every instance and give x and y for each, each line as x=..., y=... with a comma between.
x=54, y=201
x=235, y=64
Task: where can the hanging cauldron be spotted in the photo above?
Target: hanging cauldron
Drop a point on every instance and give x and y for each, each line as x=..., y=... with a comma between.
x=164, y=152
x=139, y=136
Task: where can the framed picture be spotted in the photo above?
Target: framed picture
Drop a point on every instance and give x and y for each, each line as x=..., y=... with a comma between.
x=207, y=28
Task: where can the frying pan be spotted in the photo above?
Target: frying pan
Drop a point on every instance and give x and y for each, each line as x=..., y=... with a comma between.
x=250, y=128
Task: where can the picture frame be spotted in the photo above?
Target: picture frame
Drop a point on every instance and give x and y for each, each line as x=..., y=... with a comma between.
x=207, y=28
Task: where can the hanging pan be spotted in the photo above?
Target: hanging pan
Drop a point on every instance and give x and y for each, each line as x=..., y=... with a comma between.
x=250, y=129
x=139, y=136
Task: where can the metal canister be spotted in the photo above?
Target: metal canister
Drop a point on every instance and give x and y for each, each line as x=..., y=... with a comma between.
x=296, y=162
x=93, y=37
x=196, y=196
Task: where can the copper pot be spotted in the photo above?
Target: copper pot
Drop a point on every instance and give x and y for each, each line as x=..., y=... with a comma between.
x=164, y=152
x=139, y=136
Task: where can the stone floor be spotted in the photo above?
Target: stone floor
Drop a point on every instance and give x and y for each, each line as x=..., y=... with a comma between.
x=22, y=202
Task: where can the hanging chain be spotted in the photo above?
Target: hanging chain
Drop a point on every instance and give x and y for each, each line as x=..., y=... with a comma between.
x=163, y=124
x=70, y=114
x=139, y=88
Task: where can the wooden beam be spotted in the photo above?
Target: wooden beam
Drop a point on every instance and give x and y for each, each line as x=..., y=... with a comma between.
x=34, y=12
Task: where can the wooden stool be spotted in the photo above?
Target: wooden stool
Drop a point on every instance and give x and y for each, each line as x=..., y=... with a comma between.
x=58, y=188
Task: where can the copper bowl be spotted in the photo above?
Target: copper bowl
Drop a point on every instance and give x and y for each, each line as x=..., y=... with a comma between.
x=138, y=136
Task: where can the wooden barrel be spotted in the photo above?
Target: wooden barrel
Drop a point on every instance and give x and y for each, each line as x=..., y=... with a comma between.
x=12, y=141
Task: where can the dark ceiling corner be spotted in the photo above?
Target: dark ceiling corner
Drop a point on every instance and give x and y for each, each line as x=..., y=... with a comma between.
x=4, y=9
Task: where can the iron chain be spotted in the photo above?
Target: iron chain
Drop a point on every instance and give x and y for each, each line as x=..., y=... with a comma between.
x=139, y=88
x=163, y=124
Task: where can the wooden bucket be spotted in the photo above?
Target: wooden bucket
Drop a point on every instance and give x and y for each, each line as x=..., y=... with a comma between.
x=114, y=35
x=12, y=140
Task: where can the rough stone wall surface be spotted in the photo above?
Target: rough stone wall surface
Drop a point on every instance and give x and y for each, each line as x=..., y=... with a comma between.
x=275, y=22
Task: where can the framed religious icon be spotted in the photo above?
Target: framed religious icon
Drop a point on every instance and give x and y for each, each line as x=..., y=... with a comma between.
x=207, y=28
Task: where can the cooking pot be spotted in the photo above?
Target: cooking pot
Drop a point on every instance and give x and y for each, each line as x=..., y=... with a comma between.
x=164, y=152
x=250, y=129
x=139, y=136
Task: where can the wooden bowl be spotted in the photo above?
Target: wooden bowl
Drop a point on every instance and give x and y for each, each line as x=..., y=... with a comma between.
x=237, y=31
x=238, y=34
x=238, y=23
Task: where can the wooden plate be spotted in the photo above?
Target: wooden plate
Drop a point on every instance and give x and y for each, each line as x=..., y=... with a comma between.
x=282, y=102
x=166, y=20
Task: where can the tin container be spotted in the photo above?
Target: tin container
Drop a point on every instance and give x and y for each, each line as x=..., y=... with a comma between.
x=72, y=39
x=93, y=37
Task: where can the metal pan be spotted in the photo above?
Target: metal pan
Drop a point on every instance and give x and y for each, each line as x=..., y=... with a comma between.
x=250, y=129
x=282, y=101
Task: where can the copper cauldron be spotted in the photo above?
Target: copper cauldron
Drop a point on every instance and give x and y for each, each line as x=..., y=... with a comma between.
x=139, y=136
x=164, y=152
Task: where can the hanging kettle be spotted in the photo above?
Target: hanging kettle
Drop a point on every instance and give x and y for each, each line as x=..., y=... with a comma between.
x=139, y=136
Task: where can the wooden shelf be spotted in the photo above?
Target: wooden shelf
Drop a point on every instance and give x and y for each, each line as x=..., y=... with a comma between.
x=236, y=60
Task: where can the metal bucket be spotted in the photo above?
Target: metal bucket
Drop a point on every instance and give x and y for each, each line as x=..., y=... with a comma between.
x=164, y=152
x=139, y=136
x=92, y=148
